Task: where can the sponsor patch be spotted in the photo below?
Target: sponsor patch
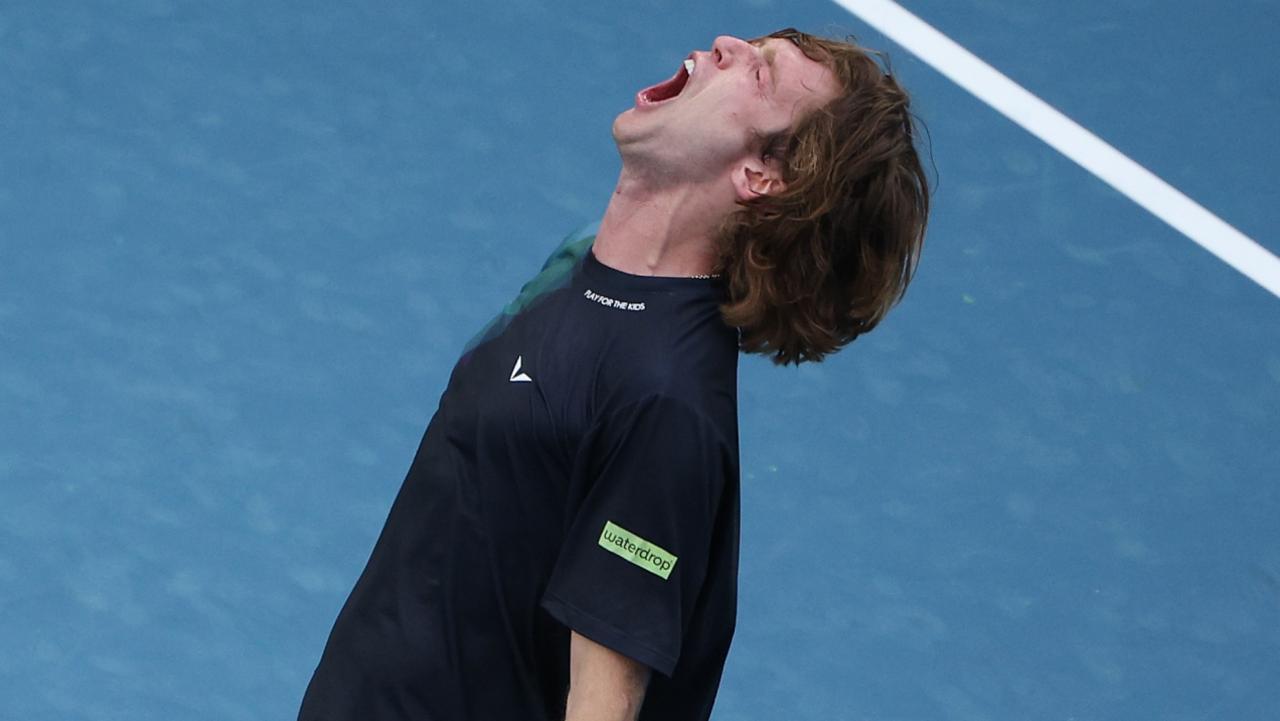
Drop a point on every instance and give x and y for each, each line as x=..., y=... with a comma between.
x=649, y=556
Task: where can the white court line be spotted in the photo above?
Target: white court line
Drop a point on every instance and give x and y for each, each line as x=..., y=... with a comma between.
x=1069, y=138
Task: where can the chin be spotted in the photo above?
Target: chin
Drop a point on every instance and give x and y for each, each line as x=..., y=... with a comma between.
x=623, y=116
x=625, y=130
x=616, y=131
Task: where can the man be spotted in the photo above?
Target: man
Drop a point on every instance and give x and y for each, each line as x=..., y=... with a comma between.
x=565, y=544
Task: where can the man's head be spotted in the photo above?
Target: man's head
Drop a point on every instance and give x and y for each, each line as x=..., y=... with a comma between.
x=809, y=144
x=814, y=265
x=710, y=122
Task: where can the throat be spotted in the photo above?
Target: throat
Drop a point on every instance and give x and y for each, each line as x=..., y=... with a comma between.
x=658, y=235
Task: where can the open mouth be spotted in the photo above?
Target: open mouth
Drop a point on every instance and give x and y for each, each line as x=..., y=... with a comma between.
x=665, y=90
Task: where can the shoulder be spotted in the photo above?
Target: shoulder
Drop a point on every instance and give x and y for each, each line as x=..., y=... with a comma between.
x=674, y=419
x=677, y=368
x=684, y=406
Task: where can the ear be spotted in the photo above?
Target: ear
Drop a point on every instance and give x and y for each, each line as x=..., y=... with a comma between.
x=758, y=176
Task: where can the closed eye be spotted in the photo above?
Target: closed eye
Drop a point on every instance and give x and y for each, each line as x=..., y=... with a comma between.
x=761, y=67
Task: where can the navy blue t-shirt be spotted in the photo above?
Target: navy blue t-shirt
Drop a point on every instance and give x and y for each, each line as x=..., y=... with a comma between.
x=581, y=472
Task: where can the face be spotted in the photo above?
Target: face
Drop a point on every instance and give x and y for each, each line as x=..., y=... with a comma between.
x=703, y=125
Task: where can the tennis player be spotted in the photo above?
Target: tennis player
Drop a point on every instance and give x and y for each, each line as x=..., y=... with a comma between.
x=565, y=544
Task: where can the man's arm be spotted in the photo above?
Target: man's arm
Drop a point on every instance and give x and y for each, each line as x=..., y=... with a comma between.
x=604, y=685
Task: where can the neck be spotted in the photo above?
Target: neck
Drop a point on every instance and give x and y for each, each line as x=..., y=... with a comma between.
x=655, y=228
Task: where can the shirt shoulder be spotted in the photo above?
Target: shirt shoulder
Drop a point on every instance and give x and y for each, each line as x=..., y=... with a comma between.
x=555, y=273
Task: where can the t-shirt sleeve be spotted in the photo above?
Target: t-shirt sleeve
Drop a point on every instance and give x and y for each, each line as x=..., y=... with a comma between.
x=643, y=499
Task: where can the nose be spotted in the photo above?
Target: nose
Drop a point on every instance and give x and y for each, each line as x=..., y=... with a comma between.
x=726, y=49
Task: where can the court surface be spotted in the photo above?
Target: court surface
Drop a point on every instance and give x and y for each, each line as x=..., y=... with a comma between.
x=242, y=243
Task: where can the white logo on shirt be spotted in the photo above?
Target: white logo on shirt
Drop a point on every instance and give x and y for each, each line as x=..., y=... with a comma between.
x=516, y=375
x=608, y=302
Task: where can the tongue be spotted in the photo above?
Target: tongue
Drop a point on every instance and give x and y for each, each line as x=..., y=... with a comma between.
x=668, y=89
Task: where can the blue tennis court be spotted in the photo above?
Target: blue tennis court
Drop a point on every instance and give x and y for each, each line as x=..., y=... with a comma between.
x=242, y=245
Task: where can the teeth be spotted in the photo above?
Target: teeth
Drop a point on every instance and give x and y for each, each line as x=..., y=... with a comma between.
x=688, y=66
